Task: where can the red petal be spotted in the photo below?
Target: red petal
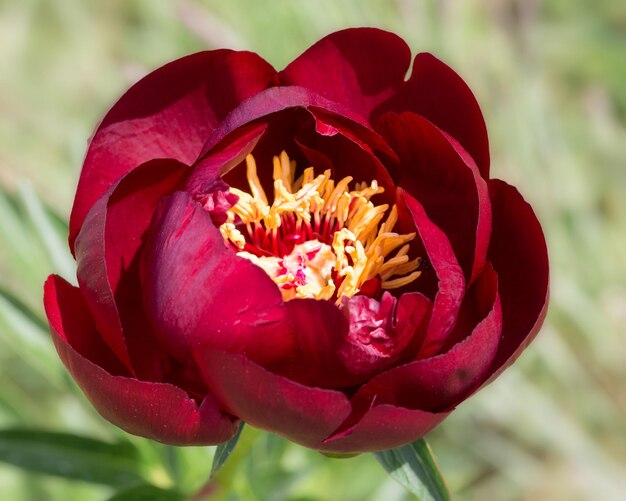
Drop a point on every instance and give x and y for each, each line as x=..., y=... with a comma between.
x=343, y=348
x=302, y=414
x=348, y=158
x=167, y=114
x=359, y=68
x=158, y=411
x=450, y=188
x=520, y=257
x=321, y=330
x=224, y=157
x=437, y=93
x=198, y=292
x=271, y=101
x=451, y=285
x=329, y=123
x=413, y=312
x=106, y=249
x=441, y=382
x=383, y=427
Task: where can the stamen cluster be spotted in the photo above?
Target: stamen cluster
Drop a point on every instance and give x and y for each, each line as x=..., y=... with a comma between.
x=318, y=238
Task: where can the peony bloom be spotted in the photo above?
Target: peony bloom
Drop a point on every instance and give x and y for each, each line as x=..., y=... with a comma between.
x=319, y=252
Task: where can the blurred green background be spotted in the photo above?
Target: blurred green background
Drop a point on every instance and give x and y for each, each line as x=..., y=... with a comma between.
x=551, y=78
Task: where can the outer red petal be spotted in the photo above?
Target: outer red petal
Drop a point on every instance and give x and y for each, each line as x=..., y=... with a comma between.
x=520, y=257
x=199, y=292
x=167, y=114
x=106, y=249
x=383, y=427
x=300, y=413
x=437, y=93
x=441, y=382
x=358, y=67
x=449, y=186
x=451, y=285
x=158, y=411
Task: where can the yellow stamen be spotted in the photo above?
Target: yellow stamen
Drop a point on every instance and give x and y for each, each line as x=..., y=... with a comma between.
x=359, y=244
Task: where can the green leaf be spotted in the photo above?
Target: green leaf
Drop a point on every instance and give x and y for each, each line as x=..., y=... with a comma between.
x=147, y=492
x=54, y=244
x=414, y=467
x=71, y=456
x=223, y=451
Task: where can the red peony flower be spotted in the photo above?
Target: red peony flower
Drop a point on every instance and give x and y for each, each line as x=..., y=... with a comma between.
x=319, y=252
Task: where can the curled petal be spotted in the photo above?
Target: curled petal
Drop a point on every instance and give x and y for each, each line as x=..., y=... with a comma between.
x=271, y=101
x=199, y=292
x=448, y=185
x=107, y=247
x=520, y=257
x=450, y=286
x=366, y=65
x=274, y=403
x=167, y=114
x=224, y=157
x=153, y=410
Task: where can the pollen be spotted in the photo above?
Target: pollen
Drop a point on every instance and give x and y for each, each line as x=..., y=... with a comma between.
x=318, y=238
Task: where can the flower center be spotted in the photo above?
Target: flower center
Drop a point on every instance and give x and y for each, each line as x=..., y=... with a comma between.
x=318, y=239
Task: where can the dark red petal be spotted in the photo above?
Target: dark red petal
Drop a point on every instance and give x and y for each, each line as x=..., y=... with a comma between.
x=520, y=257
x=441, y=382
x=106, y=248
x=158, y=411
x=274, y=403
x=224, y=157
x=198, y=292
x=77, y=328
x=321, y=329
x=451, y=285
x=347, y=154
x=450, y=188
x=358, y=67
x=329, y=124
x=437, y=93
x=413, y=312
x=271, y=101
x=167, y=114
x=383, y=427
